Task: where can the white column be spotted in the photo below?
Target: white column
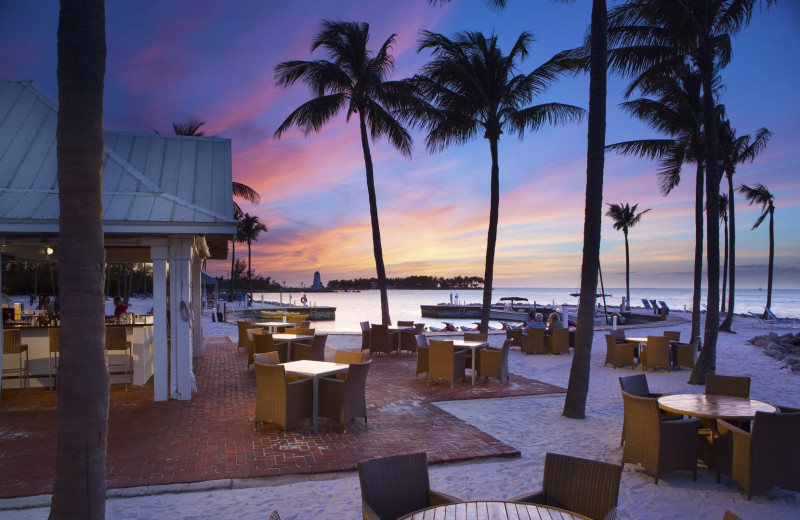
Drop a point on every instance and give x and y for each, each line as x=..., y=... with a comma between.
x=180, y=256
x=159, y=254
x=198, y=347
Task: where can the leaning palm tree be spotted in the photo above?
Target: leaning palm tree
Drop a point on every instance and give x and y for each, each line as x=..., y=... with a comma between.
x=625, y=217
x=353, y=79
x=251, y=228
x=472, y=88
x=79, y=489
x=759, y=194
x=733, y=151
x=723, y=217
x=238, y=237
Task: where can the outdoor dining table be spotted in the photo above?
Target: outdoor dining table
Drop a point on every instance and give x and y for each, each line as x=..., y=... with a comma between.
x=399, y=331
x=491, y=510
x=273, y=325
x=289, y=339
x=314, y=369
x=473, y=346
x=643, y=344
x=714, y=406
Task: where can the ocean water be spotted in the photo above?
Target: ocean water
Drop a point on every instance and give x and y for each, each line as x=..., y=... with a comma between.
x=354, y=307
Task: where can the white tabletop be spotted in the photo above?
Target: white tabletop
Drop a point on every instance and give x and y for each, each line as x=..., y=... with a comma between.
x=310, y=368
x=274, y=324
x=290, y=337
x=469, y=344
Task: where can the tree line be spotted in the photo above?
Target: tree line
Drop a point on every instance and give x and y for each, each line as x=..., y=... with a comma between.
x=410, y=282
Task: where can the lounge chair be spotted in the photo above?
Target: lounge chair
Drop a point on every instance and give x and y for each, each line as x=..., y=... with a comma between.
x=663, y=305
x=647, y=305
x=774, y=320
x=655, y=306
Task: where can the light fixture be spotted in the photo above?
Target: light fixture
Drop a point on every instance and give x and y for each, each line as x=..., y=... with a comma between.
x=48, y=250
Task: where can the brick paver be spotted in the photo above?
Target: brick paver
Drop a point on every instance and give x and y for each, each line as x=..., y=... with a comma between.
x=211, y=436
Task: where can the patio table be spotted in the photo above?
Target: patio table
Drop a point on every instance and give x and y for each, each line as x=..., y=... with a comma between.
x=314, y=369
x=289, y=339
x=491, y=510
x=714, y=406
x=473, y=346
x=273, y=325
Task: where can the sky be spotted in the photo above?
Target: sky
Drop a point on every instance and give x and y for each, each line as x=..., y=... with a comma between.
x=168, y=61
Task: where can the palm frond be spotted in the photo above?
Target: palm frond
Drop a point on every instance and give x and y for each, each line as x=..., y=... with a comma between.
x=533, y=118
x=312, y=115
x=190, y=126
x=243, y=191
x=381, y=123
x=646, y=148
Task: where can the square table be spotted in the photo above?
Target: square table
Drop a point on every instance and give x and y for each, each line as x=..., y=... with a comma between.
x=273, y=325
x=473, y=346
x=397, y=331
x=289, y=339
x=314, y=369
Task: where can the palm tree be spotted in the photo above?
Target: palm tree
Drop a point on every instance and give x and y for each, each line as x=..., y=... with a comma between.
x=240, y=238
x=759, y=194
x=354, y=79
x=472, y=87
x=251, y=227
x=625, y=217
x=734, y=151
x=79, y=489
x=723, y=216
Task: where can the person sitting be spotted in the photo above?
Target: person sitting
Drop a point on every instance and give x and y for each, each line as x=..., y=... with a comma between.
x=536, y=322
x=554, y=322
x=119, y=307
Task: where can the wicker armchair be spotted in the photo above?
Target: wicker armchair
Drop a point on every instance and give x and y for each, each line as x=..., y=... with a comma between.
x=659, y=446
x=366, y=335
x=656, y=353
x=515, y=335
x=344, y=400
x=279, y=401
x=673, y=335
x=383, y=340
x=766, y=457
x=243, y=327
x=619, y=354
x=533, y=341
x=423, y=354
x=733, y=386
x=395, y=486
x=493, y=362
x=558, y=342
x=347, y=357
x=405, y=323
x=408, y=342
x=583, y=486
x=314, y=351
x=267, y=358
x=637, y=385
x=304, y=330
x=264, y=342
x=686, y=354
x=446, y=363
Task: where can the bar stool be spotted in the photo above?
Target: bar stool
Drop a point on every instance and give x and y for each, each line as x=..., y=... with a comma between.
x=117, y=345
x=53, y=337
x=12, y=344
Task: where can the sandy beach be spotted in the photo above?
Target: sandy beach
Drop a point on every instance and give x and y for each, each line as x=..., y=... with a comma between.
x=533, y=424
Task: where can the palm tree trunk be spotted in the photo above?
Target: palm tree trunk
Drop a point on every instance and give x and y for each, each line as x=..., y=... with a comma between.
x=578, y=386
x=627, y=271
x=707, y=364
x=79, y=489
x=697, y=287
x=771, y=256
x=376, y=229
x=491, y=237
x=726, y=324
x=249, y=273
x=233, y=264
x=724, y=268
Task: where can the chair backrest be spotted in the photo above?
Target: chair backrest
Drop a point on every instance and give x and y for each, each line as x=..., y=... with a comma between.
x=304, y=331
x=515, y=335
x=504, y=352
x=611, y=342
x=263, y=343
x=734, y=386
x=419, y=328
x=242, y=327
x=673, y=335
x=356, y=380
x=116, y=338
x=54, y=338
x=405, y=323
x=583, y=486
x=534, y=341
x=270, y=382
x=774, y=451
x=646, y=304
x=267, y=358
x=318, y=347
x=561, y=340
x=619, y=335
x=635, y=385
x=476, y=336
x=441, y=352
x=656, y=353
x=641, y=418
x=380, y=338
x=422, y=340
x=297, y=320
x=364, y=326
x=395, y=486
x=348, y=357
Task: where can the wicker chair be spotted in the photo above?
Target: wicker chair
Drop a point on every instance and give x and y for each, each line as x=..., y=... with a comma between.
x=673, y=335
x=729, y=515
x=659, y=446
x=267, y=358
x=118, y=346
x=446, y=363
x=619, y=335
x=656, y=353
x=558, y=342
x=265, y=343
x=476, y=336
x=366, y=335
x=618, y=354
x=347, y=357
x=686, y=354
x=344, y=400
x=637, y=385
x=583, y=486
x=766, y=457
x=493, y=362
x=733, y=386
x=423, y=354
x=304, y=330
x=515, y=335
x=314, y=351
x=408, y=342
x=12, y=344
x=243, y=327
x=533, y=341
x=395, y=486
x=405, y=323
x=383, y=340
x=279, y=401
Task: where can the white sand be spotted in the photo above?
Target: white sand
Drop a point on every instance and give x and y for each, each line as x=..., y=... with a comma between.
x=534, y=425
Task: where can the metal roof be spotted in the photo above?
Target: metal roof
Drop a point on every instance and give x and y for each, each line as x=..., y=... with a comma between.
x=152, y=183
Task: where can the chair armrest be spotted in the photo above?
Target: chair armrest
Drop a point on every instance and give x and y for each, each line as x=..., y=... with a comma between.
x=535, y=497
x=367, y=513
x=613, y=514
x=437, y=498
x=459, y=355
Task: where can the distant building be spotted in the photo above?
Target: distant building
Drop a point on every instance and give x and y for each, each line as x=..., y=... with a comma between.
x=317, y=284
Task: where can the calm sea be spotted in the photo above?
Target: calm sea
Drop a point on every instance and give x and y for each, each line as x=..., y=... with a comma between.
x=354, y=307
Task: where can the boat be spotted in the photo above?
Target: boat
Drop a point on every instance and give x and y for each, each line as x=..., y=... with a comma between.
x=508, y=308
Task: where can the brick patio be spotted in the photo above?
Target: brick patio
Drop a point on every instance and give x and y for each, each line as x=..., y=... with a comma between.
x=211, y=436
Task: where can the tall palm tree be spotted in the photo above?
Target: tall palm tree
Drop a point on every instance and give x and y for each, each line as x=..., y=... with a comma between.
x=723, y=216
x=759, y=194
x=251, y=228
x=238, y=237
x=79, y=489
x=625, y=217
x=736, y=150
x=354, y=79
x=472, y=88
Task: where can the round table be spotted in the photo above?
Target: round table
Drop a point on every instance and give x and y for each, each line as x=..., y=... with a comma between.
x=714, y=406
x=490, y=510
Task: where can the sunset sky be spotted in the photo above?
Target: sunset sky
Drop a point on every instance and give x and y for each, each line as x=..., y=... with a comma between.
x=170, y=60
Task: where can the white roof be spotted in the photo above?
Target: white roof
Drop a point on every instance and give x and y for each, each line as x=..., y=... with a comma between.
x=152, y=183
